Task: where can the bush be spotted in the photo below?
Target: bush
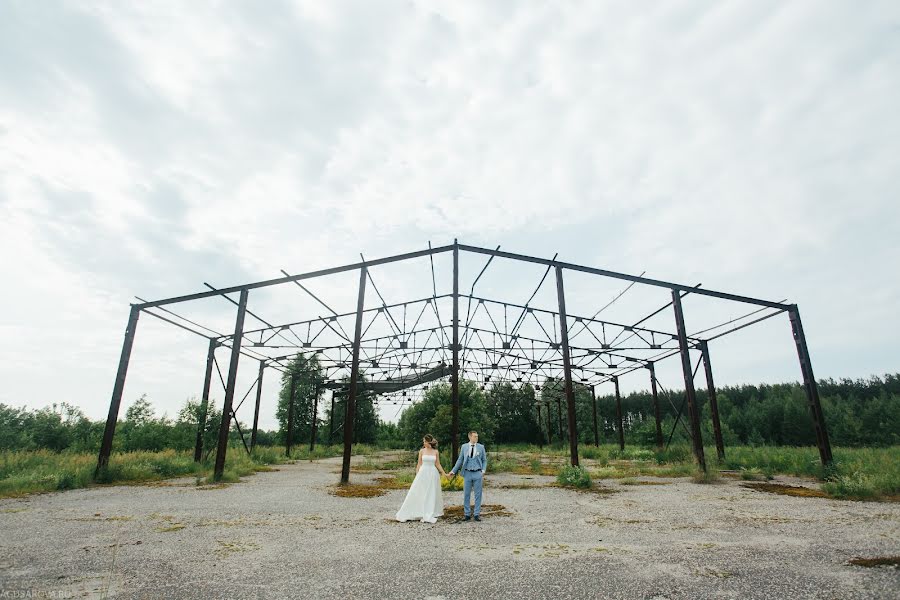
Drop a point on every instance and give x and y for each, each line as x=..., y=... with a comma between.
x=67, y=481
x=752, y=474
x=577, y=477
x=854, y=485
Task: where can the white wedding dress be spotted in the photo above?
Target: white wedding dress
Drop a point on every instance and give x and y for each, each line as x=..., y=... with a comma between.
x=423, y=500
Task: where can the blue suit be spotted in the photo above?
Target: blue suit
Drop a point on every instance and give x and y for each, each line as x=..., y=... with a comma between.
x=472, y=465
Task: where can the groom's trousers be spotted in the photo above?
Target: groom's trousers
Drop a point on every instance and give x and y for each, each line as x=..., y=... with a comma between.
x=472, y=480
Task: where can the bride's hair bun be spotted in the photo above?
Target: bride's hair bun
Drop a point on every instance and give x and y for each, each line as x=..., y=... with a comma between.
x=431, y=440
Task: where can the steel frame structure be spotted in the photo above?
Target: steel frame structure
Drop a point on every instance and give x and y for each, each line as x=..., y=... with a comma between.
x=611, y=354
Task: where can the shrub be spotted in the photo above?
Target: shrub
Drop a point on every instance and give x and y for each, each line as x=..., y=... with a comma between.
x=67, y=481
x=577, y=477
x=854, y=485
x=753, y=474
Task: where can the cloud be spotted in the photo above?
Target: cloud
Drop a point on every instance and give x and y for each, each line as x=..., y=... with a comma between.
x=145, y=149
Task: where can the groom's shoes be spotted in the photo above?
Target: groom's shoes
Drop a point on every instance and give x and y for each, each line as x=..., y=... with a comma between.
x=477, y=518
x=467, y=517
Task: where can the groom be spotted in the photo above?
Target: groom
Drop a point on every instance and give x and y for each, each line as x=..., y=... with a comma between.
x=473, y=463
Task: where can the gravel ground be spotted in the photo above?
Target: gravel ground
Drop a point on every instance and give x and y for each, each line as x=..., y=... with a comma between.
x=281, y=534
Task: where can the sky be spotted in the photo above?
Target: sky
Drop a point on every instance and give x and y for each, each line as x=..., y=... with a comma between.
x=149, y=148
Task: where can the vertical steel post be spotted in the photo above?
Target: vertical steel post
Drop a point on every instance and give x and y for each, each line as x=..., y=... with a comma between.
x=810, y=386
x=567, y=367
x=689, y=391
x=594, y=403
x=289, y=438
x=259, y=380
x=229, y=387
x=350, y=406
x=659, y=433
x=315, y=420
x=713, y=402
x=204, y=400
x=454, y=373
x=118, y=388
x=620, y=426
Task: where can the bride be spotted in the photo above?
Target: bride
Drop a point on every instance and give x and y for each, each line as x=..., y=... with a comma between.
x=423, y=500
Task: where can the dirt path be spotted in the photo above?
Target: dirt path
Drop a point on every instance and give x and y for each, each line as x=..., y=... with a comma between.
x=281, y=534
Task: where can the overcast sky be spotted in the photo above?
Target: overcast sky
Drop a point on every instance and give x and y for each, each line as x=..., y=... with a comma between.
x=148, y=147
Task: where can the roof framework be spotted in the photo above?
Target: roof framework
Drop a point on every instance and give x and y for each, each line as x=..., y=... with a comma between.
x=402, y=347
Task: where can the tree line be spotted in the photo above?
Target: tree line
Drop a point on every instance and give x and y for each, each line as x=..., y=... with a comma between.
x=861, y=412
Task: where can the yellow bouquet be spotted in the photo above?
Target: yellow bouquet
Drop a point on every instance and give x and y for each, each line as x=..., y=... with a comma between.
x=453, y=484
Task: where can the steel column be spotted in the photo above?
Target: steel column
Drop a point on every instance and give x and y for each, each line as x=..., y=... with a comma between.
x=810, y=386
x=689, y=392
x=594, y=403
x=289, y=438
x=567, y=367
x=454, y=372
x=620, y=426
x=659, y=433
x=259, y=380
x=204, y=400
x=229, y=388
x=713, y=402
x=350, y=406
x=118, y=388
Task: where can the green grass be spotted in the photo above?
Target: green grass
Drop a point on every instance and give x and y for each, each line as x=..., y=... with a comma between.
x=503, y=464
x=29, y=472
x=857, y=473
x=302, y=452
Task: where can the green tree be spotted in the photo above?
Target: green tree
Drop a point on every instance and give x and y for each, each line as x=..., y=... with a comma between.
x=308, y=379
x=48, y=430
x=433, y=414
x=512, y=411
x=142, y=430
x=388, y=435
x=365, y=425
x=13, y=428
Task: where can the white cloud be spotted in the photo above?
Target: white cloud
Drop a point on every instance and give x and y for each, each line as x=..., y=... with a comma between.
x=147, y=148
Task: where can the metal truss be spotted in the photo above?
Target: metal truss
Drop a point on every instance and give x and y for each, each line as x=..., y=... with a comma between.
x=393, y=351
